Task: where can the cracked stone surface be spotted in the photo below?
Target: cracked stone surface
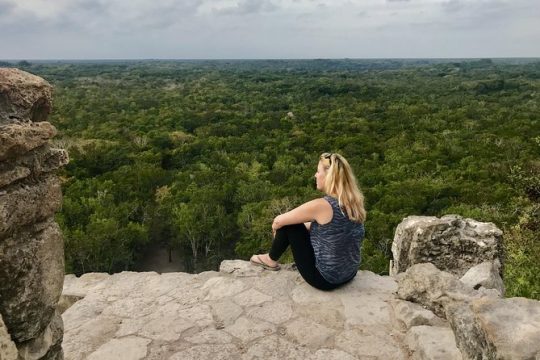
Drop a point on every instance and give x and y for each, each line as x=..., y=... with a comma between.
x=240, y=312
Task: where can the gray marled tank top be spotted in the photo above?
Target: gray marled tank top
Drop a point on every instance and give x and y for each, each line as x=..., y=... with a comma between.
x=337, y=245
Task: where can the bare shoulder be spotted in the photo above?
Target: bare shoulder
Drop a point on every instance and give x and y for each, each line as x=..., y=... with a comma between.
x=322, y=210
x=319, y=203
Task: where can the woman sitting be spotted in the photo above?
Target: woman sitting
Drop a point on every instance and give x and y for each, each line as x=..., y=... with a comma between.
x=325, y=234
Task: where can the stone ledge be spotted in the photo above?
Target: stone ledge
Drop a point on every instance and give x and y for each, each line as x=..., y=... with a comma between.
x=241, y=312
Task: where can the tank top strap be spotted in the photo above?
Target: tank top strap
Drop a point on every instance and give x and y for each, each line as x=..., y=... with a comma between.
x=335, y=205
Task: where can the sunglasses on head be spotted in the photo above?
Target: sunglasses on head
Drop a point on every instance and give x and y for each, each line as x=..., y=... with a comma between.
x=328, y=156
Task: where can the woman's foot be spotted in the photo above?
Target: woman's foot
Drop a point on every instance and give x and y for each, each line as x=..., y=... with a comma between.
x=264, y=261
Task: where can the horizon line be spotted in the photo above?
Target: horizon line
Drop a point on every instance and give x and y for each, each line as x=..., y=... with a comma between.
x=265, y=59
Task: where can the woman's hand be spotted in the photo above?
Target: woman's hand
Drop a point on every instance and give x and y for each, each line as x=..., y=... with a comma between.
x=276, y=224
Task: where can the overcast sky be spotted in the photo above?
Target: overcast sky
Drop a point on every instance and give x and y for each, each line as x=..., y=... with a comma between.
x=254, y=29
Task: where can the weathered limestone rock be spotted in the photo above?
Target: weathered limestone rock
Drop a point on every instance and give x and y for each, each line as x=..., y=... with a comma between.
x=432, y=343
x=31, y=245
x=8, y=350
x=12, y=174
x=23, y=97
x=31, y=259
x=486, y=275
x=410, y=314
x=490, y=328
x=273, y=347
x=236, y=314
x=28, y=204
x=317, y=337
x=239, y=268
x=48, y=345
x=451, y=243
x=434, y=289
x=18, y=139
x=485, y=327
x=371, y=343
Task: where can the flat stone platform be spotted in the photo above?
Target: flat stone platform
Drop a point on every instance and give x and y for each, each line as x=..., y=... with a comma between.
x=240, y=312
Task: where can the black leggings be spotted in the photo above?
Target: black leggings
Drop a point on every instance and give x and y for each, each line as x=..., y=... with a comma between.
x=297, y=236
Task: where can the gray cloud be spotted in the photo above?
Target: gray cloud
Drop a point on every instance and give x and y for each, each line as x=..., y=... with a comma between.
x=268, y=28
x=103, y=17
x=452, y=6
x=5, y=8
x=249, y=7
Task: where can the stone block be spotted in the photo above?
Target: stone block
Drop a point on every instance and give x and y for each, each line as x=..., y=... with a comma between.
x=410, y=314
x=23, y=96
x=366, y=310
x=486, y=275
x=249, y=329
x=432, y=343
x=22, y=205
x=210, y=336
x=31, y=278
x=372, y=343
x=491, y=328
x=225, y=312
x=128, y=348
x=275, y=347
x=12, y=174
x=221, y=287
x=251, y=297
x=431, y=287
x=308, y=333
x=276, y=312
x=47, y=345
x=18, y=139
x=451, y=243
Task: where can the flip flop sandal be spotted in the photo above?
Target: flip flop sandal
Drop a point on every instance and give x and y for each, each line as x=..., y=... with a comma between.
x=263, y=265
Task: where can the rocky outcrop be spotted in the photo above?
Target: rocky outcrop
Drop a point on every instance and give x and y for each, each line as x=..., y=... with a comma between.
x=451, y=243
x=468, y=294
x=485, y=326
x=23, y=97
x=31, y=245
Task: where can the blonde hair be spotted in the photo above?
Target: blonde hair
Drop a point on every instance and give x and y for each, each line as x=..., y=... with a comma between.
x=341, y=183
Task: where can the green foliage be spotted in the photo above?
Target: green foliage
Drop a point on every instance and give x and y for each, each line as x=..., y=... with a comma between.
x=216, y=149
x=522, y=268
x=374, y=258
x=99, y=235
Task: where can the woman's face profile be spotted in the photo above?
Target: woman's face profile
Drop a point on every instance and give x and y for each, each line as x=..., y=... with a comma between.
x=319, y=176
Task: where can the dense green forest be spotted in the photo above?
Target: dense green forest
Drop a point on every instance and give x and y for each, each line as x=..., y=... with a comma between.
x=199, y=156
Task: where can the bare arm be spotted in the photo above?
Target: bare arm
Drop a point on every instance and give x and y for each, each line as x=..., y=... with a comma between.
x=318, y=209
x=308, y=225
